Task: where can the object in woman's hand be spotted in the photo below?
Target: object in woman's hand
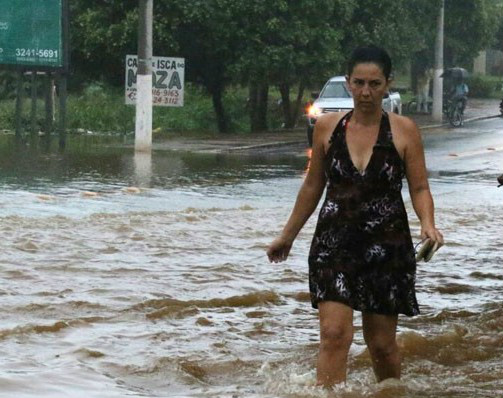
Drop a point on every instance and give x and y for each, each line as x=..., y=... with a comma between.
x=427, y=250
x=500, y=180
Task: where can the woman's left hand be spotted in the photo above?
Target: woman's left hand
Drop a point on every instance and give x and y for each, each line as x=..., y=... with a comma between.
x=433, y=234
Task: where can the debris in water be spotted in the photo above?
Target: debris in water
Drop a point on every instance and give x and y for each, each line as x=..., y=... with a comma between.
x=132, y=190
x=89, y=194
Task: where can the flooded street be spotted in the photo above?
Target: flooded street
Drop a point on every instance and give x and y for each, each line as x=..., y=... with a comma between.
x=126, y=276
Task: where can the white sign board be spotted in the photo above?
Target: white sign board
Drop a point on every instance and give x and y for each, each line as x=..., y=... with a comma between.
x=167, y=80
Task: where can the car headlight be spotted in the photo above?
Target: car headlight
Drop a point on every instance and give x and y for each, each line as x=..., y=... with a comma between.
x=314, y=111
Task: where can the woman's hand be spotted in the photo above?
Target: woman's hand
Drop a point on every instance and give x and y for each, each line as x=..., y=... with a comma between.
x=278, y=250
x=433, y=234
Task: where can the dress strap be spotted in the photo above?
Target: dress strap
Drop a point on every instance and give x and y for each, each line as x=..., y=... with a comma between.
x=385, y=137
x=338, y=134
x=341, y=125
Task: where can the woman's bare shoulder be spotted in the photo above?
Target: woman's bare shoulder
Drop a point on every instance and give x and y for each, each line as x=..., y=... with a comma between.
x=405, y=133
x=325, y=125
x=405, y=125
x=329, y=119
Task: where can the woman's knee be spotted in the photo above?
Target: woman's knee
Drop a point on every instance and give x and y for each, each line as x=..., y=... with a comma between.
x=383, y=349
x=336, y=336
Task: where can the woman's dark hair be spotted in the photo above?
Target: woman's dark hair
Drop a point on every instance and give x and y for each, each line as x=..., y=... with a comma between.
x=370, y=54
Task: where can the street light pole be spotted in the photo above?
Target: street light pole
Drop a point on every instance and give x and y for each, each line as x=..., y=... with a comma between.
x=439, y=67
x=143, y=124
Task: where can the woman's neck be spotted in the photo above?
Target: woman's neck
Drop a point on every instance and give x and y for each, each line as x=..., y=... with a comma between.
x=367, y=118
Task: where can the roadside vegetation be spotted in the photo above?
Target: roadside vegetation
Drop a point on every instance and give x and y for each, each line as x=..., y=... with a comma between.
x=252, y=65
x=486, y=86
x=101, y=108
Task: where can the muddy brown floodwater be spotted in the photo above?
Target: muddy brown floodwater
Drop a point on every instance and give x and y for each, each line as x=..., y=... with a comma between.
x=146, y=277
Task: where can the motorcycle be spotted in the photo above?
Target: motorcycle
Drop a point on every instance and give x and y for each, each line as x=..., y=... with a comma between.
x=454, y=108
x=455, y=95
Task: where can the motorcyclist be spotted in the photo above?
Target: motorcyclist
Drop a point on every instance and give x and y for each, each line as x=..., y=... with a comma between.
x=459, y=92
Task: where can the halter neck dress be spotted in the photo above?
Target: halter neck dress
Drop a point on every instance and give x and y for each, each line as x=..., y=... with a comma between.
x=362, y=253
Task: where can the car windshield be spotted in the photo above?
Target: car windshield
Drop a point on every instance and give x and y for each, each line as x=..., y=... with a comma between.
x=335, y=90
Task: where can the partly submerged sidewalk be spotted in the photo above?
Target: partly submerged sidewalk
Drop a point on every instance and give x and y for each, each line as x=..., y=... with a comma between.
x=476, y=109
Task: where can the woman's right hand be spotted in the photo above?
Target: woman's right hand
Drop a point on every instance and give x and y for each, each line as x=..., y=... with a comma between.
x=278, y=250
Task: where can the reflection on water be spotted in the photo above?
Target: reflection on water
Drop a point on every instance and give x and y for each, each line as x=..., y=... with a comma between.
x=157, y=285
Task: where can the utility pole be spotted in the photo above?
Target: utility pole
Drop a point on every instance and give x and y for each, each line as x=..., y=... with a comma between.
x=19, y=104
x=439, y=67
x=143, y=125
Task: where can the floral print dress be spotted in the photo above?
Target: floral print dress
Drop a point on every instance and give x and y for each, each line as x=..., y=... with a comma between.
x=362, y=253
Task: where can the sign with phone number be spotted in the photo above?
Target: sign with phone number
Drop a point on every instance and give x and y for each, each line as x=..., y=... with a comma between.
x=31, y=33
x=167, y=80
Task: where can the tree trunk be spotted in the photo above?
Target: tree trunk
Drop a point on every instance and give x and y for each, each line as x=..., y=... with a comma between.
x=218, y=106
x=252, y=105
x=263, y=97
x=298, y=104
x=284, y=89
x=291, y=112
x=258, y=99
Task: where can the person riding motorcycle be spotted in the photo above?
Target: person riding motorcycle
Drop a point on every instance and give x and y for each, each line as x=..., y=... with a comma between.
x=459, y=92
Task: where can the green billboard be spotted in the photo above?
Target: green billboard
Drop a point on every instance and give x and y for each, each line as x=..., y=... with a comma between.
x=31, y=33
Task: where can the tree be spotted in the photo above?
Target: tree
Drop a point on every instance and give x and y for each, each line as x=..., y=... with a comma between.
x=207, y=35
x=477, y=20
x=411, y=37
x=289, y=43
x=102, y=33
x=402, y=27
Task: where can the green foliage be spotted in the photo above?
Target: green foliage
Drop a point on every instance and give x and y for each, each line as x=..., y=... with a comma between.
x=403, y=27
x=498, y=42
x=290, y=41
x=7, y=115
x=100, y=109
x=470, y=26
x=102, y=33
x=197, y=114
x=271, y=43
x=484, y=86
x=7, y=84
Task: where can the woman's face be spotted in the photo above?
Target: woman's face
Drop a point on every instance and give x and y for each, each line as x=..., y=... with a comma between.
x=368, y=85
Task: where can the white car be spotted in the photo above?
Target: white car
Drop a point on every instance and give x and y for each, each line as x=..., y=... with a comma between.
x=335, y=97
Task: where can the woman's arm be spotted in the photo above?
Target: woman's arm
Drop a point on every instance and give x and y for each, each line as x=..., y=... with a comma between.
x=417, y=179
x=309, y=194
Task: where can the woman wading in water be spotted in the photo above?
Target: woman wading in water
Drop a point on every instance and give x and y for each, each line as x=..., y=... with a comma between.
x=362, y=257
